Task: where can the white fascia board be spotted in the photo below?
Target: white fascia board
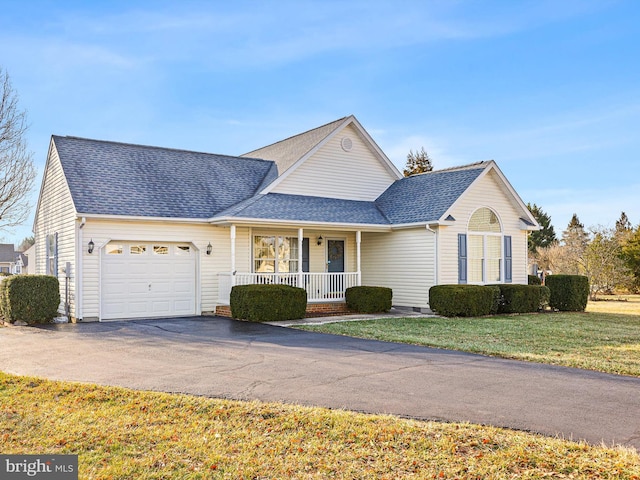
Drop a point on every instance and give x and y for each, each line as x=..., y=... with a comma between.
x=136, y=218
x=515, y=196
x=439, y=223
x=266, y=222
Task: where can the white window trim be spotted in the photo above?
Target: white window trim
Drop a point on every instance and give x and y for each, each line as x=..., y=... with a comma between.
x=484, y=236
x=294, y=238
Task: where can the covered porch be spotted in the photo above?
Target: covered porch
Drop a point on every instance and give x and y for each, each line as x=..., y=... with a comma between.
x=322, y=262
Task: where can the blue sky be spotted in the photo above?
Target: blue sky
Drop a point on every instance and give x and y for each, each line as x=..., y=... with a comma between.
x=548, y=89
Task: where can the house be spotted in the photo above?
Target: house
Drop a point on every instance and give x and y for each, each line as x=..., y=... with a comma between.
x=29, y=259
x=22, y=263
x=138, y=231
x=7, y=258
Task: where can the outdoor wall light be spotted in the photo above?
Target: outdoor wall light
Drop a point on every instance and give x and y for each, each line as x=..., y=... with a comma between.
x=90, y=246
x=209, y=249
x=320, y=239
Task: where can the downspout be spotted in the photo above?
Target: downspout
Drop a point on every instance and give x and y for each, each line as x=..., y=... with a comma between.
x=78, y=272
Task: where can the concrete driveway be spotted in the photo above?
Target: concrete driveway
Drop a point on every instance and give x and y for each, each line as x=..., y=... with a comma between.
x=219, y=357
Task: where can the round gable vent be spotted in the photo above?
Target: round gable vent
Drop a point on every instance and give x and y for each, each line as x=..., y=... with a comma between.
x=346, y=144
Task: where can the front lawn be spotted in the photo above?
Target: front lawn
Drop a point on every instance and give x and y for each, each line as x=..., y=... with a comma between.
x=595, y=341
x=121, y=434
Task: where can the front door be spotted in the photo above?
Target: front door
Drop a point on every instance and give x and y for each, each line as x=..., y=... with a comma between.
x=335, y=264
x=335, y=256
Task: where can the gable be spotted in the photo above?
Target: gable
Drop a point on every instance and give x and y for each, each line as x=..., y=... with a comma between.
x=488, y=191
x=55, y=196
x=336, y=172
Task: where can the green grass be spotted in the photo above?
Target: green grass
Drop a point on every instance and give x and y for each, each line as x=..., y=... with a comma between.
x=125, y=434
x=595, y=341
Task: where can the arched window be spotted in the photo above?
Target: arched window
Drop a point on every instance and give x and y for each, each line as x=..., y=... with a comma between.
x=484, y=256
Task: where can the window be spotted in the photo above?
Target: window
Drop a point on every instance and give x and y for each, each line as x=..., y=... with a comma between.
x=160, y=250
x=114, y=249
x=183, y=250
x=52, y=254
x=18, y=269
x=275, y=254
x=484, y=255
x=137, y=249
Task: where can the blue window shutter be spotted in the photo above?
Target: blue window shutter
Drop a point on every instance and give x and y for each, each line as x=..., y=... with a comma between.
x=508, y=262
x=462, y=258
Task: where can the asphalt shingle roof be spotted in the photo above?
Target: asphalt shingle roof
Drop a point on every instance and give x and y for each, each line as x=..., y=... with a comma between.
x=7, y=252
x=426, y=197
x=279, y=206
x=123, y=179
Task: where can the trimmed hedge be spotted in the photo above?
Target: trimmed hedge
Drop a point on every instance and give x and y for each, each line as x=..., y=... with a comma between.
x=369, y=299
x=266, y=303
x=29, y=298
x=569, y=293
x=462, y=300
x=534, y=280
x=521, y=298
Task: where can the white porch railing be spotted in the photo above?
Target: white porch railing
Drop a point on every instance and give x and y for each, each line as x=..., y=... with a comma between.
x=320, y=287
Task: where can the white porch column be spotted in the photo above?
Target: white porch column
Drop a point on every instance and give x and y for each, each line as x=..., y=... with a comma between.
x=232, y=232
x=300, y=274
x=358, y=269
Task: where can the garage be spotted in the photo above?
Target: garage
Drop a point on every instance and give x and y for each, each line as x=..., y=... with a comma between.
x=147, y=279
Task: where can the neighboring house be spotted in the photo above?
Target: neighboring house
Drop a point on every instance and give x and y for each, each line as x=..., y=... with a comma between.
x=150, y=231
x=7, y=258
x=21, y=264
x=30, y=265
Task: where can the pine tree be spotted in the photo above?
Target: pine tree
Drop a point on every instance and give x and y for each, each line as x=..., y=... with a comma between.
x=418, y=162
x=544, y=237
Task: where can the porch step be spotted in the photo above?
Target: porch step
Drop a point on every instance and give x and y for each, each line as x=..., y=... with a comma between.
x=313, y=309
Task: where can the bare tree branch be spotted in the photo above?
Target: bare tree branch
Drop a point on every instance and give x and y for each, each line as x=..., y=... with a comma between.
x=17, y=172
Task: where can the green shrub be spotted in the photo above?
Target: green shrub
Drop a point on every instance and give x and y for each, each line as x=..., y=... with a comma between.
x=519, y=298
x=569, y=293
x=462, y=300
x=545, y=296
x=29, y=298
x=369, y=299
x=497, y=298
x=266, y=303
x=534, y=280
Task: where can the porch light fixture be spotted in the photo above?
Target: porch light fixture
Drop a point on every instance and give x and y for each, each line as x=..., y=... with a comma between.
x=90, y=246
x=320, y=239
x=209, y=249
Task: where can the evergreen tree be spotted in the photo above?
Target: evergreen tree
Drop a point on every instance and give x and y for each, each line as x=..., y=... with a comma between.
x=575, y=240
x=631, y=256
x=418, y=162
x=623, y=224
x=544, y=237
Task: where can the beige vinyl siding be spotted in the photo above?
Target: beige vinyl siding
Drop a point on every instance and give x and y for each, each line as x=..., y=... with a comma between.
x=200, y=235
x=56, y=214
x=332, y=172
x=486, y=192
x=402, y=260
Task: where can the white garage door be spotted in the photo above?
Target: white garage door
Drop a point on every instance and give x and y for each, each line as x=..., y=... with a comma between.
x=148, y=279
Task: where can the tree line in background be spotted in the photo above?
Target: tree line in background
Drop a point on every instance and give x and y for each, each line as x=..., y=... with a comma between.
x=608, y=256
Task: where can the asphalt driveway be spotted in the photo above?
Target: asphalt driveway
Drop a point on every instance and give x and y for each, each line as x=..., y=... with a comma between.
x=219, y=357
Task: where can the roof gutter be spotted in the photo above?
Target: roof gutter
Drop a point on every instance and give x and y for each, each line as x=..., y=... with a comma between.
x=296, y=223
x=137, y=218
